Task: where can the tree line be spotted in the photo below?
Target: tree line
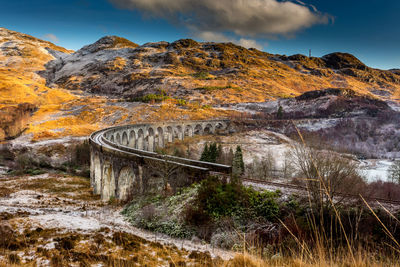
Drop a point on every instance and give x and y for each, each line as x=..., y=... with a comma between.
x=214, y=153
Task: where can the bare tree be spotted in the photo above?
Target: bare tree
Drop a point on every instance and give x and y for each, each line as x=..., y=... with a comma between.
x=394, y=172
x=327, y=175
x=287, y=167
x=165, y=169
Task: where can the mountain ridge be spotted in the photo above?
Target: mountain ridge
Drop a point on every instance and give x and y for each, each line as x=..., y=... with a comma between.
x=135, y=70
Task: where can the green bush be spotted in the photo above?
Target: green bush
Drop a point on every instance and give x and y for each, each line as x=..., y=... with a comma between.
x=201, y=75
x=216, y=88
x=263, y=204
x=153, y=97
x=217, y=199
x=158, y=97
x=181, y=102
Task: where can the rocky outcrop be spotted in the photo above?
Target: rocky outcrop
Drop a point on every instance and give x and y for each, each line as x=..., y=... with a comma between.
x=339, y=61
x=14, y=119
x=326, y=92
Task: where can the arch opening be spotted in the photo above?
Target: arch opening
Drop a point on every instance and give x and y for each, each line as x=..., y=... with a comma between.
x=170, y=134
x=125, y=139
x=178, y=132
x=208, y=129
x=189, y=131
x=132, y=139
x=198, y=130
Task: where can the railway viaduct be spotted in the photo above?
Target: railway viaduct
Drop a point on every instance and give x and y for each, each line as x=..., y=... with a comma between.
x=123, y=161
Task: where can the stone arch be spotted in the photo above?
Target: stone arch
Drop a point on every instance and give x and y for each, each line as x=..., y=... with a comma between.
x=219, y=127
x=208, y=129
x=108, y=182
x=178, y=133
x=150, y=139
x=198, y=129
x=125, y=139
x=118, y=138
x=97, y=174
x=126, y=178
x=188, y=131
x=140, y=139
x=170, y=134
x=132, y=139
x=160, y=137
x=112, y=139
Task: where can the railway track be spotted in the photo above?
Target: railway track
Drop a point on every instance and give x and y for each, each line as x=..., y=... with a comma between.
x=303, y=188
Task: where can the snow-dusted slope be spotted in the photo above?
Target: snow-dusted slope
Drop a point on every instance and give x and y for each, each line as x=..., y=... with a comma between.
x=221, y=73
x=18, y=50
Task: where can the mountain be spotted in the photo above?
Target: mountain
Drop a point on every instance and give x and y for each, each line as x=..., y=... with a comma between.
x=211, y=73
x=54, y=92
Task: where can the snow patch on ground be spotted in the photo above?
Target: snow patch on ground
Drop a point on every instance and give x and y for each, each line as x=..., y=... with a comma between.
x=25, y=141
x=375, y=170
x=65, y=221
x=20, y=198
x=316, y=125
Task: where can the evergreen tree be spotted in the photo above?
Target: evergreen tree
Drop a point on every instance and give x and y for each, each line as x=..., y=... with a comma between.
x=213, y=152
x=205, y=154
x=238, y=163
x=279, y=114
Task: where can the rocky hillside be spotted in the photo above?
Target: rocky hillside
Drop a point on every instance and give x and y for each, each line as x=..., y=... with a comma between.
x=21, y=88
x=115, y=81
x=211, y=73
x=55, y=111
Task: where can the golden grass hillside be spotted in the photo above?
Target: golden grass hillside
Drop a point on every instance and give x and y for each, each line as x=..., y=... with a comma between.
x=194, y=76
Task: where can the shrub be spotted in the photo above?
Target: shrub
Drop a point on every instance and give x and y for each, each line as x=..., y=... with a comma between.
x=216, y=199
x=201, y=75
x=181, y=102
x=225, y=240
x=159, y=97
x=263, y=204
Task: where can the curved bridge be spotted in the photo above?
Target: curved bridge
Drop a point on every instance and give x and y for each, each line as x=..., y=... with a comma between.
x=123, y=161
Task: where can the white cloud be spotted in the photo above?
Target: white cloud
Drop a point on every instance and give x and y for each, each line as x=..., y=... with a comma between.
x=51, y=37
x=219, y=37
x=244, y=18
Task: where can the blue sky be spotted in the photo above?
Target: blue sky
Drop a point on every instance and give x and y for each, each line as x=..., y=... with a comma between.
x=369, y=29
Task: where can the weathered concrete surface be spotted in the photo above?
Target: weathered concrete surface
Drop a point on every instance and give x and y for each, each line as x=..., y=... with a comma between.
x=123, y=162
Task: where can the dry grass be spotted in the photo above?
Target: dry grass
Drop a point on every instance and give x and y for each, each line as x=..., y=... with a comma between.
x=113, y=248
x=106, y=246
